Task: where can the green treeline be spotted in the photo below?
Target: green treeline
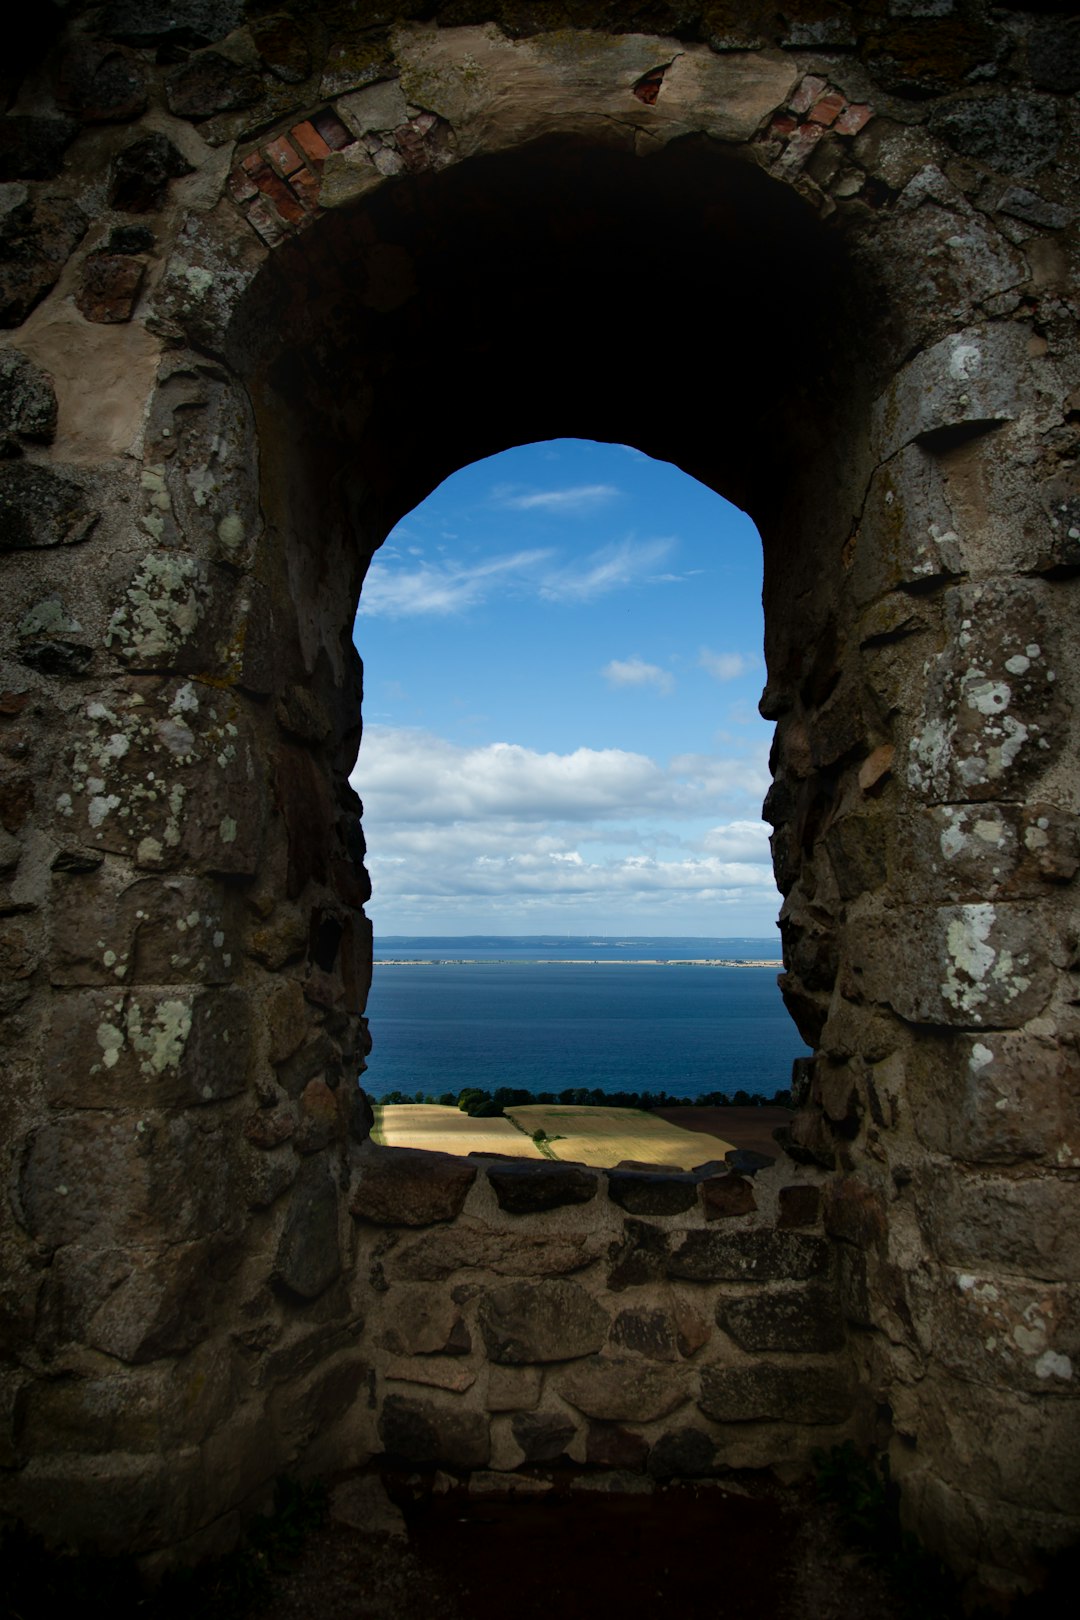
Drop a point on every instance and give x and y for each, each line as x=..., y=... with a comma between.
x=479, y=1104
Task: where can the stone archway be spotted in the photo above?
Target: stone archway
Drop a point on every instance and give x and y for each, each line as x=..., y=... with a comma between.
x=746, y=261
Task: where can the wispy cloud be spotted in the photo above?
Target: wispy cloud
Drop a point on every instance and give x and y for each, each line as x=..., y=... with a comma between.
x=725, y=666
x=625, y=563
x=442, y=588
x=564, y=502
x=398, y=588
x=634, y=671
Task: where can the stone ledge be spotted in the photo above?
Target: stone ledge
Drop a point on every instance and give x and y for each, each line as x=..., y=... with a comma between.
x=409, y=1186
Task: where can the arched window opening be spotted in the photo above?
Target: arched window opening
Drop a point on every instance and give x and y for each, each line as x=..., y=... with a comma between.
x=562, y=772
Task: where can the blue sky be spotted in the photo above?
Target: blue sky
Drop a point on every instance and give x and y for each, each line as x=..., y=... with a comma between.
x=562, y=650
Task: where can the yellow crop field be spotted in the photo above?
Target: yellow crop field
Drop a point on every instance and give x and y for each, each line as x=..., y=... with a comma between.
x=447, y=1130
x=605, y=1136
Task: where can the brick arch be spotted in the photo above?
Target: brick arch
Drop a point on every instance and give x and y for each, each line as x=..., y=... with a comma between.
x=880, y=336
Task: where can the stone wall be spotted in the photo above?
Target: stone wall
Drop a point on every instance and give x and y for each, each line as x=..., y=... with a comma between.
x=250, y=261
x=520, y=1313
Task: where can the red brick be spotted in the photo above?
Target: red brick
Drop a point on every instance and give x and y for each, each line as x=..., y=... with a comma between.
x=282, y=156
x=280, y=194
x=242, y=186
x=852, y=119
x=253, y=164
x=783, y=124
x=827, y=109
x=306, y=186
x=331, y=129
x=807, y=93
x=261, y=217
x=310, y=142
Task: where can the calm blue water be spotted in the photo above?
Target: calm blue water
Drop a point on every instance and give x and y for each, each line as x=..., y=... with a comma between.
x=548, y=1014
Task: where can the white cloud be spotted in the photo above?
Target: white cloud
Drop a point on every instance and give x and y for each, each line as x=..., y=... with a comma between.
x=624, y=563
x=506, y=832
x=634, y=671
x=725, y=666
x=564, y=502
x=442, y=588
x=395, y=589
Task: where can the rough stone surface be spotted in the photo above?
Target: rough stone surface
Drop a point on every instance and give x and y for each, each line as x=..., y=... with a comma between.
x=400, y=1187
x=37, y=233
x=542, y=1436
x=747, y=1256
x=110, y=286
x=27, y=402
x=423, y=1432
x=309, y=1254
x=621, y=1390
x=804, y=1320
x=643, y=1194
x=769, y=1394
x=727, y=1195
x=541, y=1321
x=526, y=1187
x=887, y=198
x=466, y=1245
x=141, y=174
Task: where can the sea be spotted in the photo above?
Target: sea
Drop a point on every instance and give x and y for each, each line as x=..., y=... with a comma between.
x=686, y=1016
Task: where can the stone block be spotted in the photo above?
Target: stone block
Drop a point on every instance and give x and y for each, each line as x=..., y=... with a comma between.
x=646, y=1331
x=422, y=1322
x=94, y=1415
x=32, y=147
x=27, y=402
x=765, y=1393
x=802, y=1320
x=685, y=1453
x=981, y=964
x=543, y=1436
x=854, y=1212
x=434, y=1372
x=541, y=1321
x=165, y=1174
x=609, y=1445
x=995, y=714
x=101, y=83
x=527, y=1187
x=800, y=1205
x=115, y=1049
x=1000, y=1097
x=618, y=1389
x=639, y=1257
x=141, y=173
x=513, y=1389
x=972, y=380
x=724, y=1196
x=308, y=1255
x=109, y=287
x=996, y=1329
x=422, y=1432
x=40, y=509
x=467, y=1246
x=133, y=1304
x=405, y=1187
x=209, y=83
x=748, y=1256
x=642, y=1193
x=1025, y=1224
x=36, y=237
x=1017, y=1449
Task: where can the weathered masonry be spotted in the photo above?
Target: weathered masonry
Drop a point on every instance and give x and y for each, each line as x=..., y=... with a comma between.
x=267, y=274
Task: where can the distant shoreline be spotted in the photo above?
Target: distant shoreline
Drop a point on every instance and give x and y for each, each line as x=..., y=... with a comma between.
x=576, y=961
